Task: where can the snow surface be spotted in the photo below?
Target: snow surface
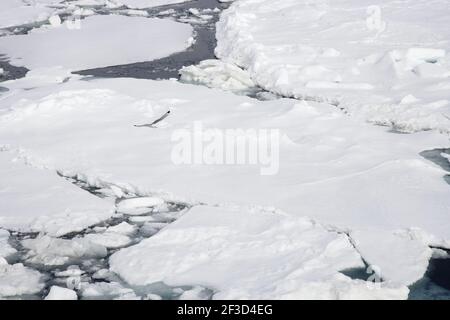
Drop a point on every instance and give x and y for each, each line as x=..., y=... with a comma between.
x=36, y=199
x=337, y=170
x=135, y=39
x=249, y=254
x=383, y=61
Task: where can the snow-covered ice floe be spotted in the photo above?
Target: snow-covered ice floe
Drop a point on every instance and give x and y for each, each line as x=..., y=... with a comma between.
x=35, y=199
x=347, y=175
x=383, y=61
x=131, y=39
x=250, y=254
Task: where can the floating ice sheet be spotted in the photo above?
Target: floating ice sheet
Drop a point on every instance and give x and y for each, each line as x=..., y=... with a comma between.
x=132, y=39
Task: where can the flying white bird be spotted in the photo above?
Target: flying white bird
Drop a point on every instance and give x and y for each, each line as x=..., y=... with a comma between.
x=152, y=125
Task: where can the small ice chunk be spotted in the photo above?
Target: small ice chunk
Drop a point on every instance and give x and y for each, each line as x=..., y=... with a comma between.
x=71, y=271
x=108, y=239
x=134, y=12
x=440, y=254
x=150, y=228
x=5, y=248
x=104, y=274
x=18, y=280
x=83, y=12
x=117, y=191
x=141, y=220
x=105, y=290
x=218, y=74
x=122, y=228
x=53, y=251
x=408, y=99
x=55, y=21
x=138, y=206
x=60, y=293
x=194, y=11
x=153, y=296
x=196, y=293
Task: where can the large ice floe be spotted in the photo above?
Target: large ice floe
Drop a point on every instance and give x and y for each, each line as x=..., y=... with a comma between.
x=345, y=191
x=250, y=254
x=384, y=61
x=91, y=45
x=35, y=199
x=19, y=12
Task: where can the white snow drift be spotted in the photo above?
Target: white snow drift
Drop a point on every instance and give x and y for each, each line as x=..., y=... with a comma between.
x=384, y=61
x=99, y=42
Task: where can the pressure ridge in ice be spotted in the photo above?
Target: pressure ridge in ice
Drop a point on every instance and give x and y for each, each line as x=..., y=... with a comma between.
x=383, y=61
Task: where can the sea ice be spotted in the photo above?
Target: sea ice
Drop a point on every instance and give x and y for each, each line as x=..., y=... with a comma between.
x=5, y=248
x=46, y=250
x=337, y=170
x=59, y=293
x=218, y=74
x=106, y=290
x=132, y=39
x=36, y=199
x=108, y=239
x=141, y=4
x=364, y=56
x=122, y=228
x=138, y=206
x=249, y=254
x=16, y=280
x=16, y=12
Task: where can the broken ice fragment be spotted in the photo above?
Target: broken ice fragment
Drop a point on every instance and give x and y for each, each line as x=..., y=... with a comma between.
x=59, y=293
